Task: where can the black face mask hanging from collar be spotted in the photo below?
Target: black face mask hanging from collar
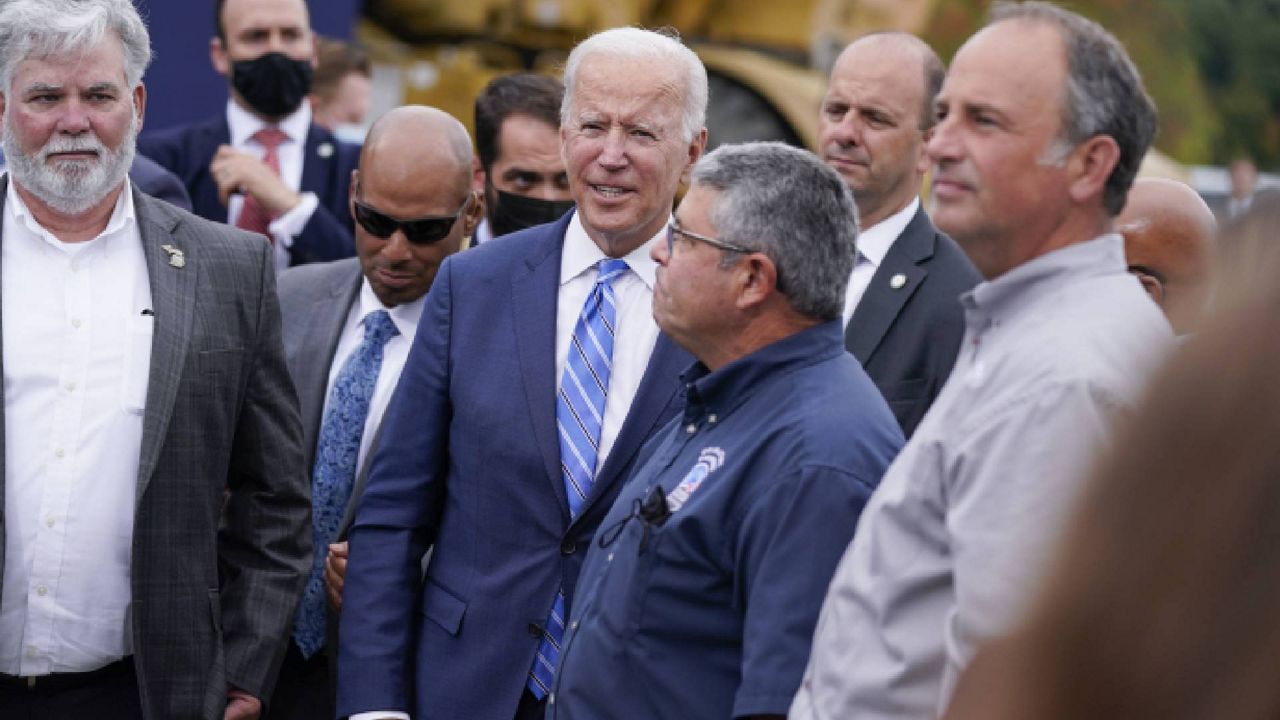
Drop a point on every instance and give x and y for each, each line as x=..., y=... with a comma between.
x=273, y=84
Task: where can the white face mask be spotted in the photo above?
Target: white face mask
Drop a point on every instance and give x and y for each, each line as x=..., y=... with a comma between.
x=350, y=132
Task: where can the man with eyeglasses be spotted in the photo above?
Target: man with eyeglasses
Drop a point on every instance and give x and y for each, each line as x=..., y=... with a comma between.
x=536, y=377
x=700, y=598
x=348, y=326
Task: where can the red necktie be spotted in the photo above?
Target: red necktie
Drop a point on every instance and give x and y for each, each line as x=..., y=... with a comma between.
x=253, y=217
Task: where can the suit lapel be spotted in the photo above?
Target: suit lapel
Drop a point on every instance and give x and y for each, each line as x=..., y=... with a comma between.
x=534, y=292
x=882, y=302
x=327, y=318
x=173, y=297
x=204, y=191
x=659, y=387
x=317, y=161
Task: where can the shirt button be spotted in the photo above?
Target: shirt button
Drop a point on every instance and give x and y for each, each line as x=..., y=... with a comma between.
x=551, y=699
x=50, y=522
x=59, y=452
x=691, y=428
x=42, y=590
x=31, y=651
x=712, y=418
x=568, y=547
x=71, y=387
x=573, y=625
x=610, y=557
x=75, y=322
x=535, y=630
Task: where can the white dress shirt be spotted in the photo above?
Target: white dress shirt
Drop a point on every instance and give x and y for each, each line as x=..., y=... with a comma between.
x=634, y=337
x=243, y=125
x=951, y=547
x=77, y=358
x=394, y=353
x=635, y=334
x=873, y=244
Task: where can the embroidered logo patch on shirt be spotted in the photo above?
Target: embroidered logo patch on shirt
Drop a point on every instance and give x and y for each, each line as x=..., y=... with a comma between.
x=709, y=461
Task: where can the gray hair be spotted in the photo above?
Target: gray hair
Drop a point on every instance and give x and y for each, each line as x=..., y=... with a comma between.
x=48, y=28
x=632, y=42
x=1105, y=95
x=791, y=206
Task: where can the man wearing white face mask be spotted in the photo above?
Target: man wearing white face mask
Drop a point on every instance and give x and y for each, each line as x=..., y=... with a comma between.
x=340, y=90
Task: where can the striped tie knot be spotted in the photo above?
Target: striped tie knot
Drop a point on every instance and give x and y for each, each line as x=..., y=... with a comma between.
x=610, y=270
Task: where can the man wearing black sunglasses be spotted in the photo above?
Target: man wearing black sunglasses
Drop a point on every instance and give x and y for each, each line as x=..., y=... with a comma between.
x=348, y=328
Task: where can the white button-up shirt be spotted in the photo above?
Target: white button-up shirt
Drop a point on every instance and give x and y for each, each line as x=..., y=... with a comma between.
x=291, y=153
x=77, y=357
x=636, y=332
x=873, y=244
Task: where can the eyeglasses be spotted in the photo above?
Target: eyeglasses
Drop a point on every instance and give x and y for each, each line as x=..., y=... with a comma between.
x=674, y=229
x=420, y=231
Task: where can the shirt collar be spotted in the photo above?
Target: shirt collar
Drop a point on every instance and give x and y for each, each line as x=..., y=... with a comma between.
x=122, y=217
x=875, y=241
x=405, y=317
x=725, y=389
x=243, y=124
x=1009, y=293
x=580, y=253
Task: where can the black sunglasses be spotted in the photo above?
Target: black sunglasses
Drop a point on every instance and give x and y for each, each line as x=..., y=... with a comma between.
x=421, y=231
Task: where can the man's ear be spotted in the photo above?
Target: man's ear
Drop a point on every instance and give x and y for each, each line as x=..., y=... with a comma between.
x=759, y=280
x=1089, y=165
x=139, y=104
x=477, y=175
x=218, y=56
x=352, y=188
x=696, y=148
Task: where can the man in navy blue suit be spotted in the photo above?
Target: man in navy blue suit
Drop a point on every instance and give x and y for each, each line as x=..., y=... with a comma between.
x=902, y=305
x=536, y=374
x=264, y=165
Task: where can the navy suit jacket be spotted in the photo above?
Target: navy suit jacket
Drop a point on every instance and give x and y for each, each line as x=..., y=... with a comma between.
x=907, y=337
x=327, y=163
x=469, y=460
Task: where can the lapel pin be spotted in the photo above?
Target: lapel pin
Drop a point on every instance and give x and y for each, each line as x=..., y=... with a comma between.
x=176, y=258
x=324, y=149
x=897, y=281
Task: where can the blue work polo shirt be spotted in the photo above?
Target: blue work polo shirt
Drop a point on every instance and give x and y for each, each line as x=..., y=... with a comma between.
x=710, y=612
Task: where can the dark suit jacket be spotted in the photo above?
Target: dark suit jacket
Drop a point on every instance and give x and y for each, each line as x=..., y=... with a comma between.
x=188, y=150
x=157, y=182
x=907, y=337
x=469, y=459
x=221, y=540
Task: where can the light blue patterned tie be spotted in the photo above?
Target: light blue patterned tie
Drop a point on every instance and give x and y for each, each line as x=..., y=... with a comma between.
x=579, y=416
x=335, y=466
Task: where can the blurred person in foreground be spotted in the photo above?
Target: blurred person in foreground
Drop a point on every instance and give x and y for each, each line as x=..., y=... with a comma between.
x=155, y=511
x=902, y=305
x=340, y=89
x=1042, y=123
x=704, y=606
x=536, y=376
x=348, y=327
x=519, y=167
x=263, y=165
x=1168, y=234
x=1162, y=598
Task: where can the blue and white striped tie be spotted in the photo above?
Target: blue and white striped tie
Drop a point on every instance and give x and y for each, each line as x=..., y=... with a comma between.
x=579, y=417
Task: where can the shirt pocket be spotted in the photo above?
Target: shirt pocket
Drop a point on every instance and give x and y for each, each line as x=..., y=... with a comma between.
x=137, y=364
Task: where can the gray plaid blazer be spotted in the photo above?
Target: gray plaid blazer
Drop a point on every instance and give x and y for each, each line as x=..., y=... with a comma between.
x=222, y=525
